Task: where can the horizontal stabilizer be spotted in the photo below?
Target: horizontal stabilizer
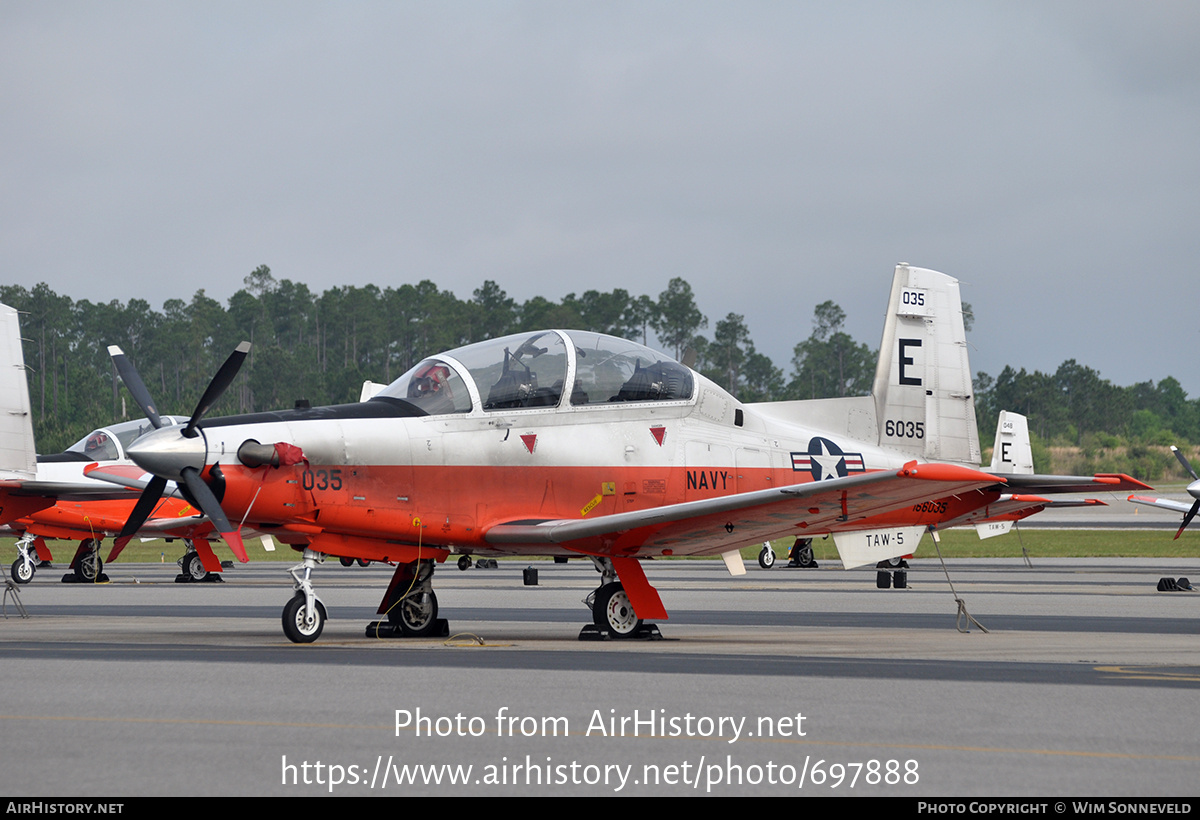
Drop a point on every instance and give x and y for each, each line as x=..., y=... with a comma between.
x=1162, y=503
x=1117, y=482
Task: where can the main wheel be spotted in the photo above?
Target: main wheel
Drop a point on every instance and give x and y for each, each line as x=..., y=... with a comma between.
x=295, y=620
x=346, y=562
x=805, y=557
x=22, y=571
x=193, y=567
x=766, y=558
x=464, y=563
x=416, y=614
x=89, y=566
x=612, y=611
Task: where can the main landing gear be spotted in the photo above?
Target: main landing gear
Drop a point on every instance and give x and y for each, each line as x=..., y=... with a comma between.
x=802, y=554
x=191, y=567
x=86, y=566
x=410, y=605
x=892, y=573
x=613, y=616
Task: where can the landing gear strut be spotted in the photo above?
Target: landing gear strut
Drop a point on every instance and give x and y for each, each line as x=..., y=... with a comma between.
x=304, y=616
x=26, y=564
x=86, y=567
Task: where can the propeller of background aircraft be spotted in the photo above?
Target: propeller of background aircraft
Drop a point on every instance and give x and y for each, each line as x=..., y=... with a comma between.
x=175, y=453
x=1193, y=490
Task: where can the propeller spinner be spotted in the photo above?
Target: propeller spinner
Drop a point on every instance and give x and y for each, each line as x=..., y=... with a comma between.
x=177, y=454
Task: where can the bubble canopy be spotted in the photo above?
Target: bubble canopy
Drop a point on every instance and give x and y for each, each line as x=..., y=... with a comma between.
x=102, y=443
x=534, y=370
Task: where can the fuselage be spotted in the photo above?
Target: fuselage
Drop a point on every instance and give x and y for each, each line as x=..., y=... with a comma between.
x=387, y=471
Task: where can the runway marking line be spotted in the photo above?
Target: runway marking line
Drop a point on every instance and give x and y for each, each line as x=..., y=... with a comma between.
x=1146, y=673
x=789, y=741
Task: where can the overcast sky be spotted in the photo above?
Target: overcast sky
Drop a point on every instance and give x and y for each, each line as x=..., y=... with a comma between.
x=775, y=155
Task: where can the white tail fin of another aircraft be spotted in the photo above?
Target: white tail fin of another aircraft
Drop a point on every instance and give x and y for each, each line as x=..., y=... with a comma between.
x=1012, y=453
x=924, y=400
x=18, y=455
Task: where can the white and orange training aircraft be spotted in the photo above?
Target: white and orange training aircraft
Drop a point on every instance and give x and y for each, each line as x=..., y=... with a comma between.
x=571, y=443
x=48, y=497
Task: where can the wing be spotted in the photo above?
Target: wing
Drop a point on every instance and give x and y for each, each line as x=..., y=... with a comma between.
x=21, y=498
x=717, y=525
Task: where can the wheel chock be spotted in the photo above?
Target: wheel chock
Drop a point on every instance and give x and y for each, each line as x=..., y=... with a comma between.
x=211, y=578
x=645, y=632
x=71, y=578
x=883, y=580
x=387, y=629
x=1171, y=585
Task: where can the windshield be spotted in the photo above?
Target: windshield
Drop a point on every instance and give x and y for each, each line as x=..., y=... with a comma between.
x=433, y=386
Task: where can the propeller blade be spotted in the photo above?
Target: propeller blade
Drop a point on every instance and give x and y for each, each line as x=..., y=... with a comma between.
x=212, y=508
x=1187, y=518
x=217, y=387
x=146, y=503
x=1183, y=460
x=134, y=384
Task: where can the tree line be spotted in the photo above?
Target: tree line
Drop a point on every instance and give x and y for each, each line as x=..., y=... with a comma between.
x=321, y=347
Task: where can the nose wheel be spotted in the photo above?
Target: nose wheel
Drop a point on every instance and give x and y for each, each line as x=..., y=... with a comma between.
x=26, y=564
x=766, y=556
x=304, y=615
x=22, y=570
x=302, y=623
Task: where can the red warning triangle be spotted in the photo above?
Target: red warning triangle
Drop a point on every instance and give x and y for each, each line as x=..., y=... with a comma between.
x=530, y=440
x=659, y=434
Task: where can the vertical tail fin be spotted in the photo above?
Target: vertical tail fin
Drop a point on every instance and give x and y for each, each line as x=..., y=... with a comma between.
x=1012, y=453
x=924, y=402
x=18, y=455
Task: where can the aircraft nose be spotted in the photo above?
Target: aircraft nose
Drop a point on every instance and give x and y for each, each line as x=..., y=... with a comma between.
x=166, y=452
x=1194, y=490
